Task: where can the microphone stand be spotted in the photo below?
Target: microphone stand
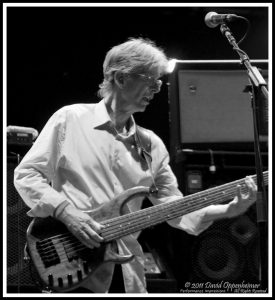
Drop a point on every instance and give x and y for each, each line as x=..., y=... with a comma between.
x=259, y=91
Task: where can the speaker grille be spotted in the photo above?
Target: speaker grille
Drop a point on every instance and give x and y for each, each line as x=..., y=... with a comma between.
x=18, y=274
x=217, y=257
x=227, y=251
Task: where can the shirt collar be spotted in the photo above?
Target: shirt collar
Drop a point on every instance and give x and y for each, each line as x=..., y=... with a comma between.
x=102, y=117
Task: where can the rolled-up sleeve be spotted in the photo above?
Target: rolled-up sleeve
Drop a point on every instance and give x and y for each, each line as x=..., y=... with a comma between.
x=193, y=223
x=32, y=177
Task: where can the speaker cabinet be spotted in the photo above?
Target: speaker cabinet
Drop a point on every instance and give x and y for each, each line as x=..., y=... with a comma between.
x=222, y=253
x=214, y=106
x=18, y=273
x=225, y=252
x=210, y=104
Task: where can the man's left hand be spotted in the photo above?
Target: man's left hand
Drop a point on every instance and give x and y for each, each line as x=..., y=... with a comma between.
x=242, y=202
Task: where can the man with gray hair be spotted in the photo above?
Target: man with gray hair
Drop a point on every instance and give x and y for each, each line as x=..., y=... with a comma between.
x=89, y=154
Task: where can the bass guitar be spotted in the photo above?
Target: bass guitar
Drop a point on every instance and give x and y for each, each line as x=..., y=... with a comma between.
x=63, y=263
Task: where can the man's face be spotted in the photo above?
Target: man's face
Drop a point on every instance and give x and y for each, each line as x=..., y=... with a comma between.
x=139, y=90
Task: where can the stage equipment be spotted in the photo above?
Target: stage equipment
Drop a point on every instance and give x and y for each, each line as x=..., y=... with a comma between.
x=19, y=278
x=212, y=124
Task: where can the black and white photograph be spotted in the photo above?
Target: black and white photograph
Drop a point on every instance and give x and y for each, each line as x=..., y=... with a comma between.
x=136, y=149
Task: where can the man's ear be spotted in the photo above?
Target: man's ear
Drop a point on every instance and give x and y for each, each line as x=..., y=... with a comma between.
x=119, y=79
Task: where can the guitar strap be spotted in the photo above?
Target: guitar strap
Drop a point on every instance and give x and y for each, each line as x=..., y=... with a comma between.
x=143, y=142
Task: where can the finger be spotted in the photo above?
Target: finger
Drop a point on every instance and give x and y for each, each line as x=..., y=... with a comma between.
x=248, y=192
x=252, y=189
x=95, y=225
x=83, y=235
x=250, y=182
x=239, y=192
x=84, y=238
x=93, y=235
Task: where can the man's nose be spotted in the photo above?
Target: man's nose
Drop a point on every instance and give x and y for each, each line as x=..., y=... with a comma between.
x=156, y=87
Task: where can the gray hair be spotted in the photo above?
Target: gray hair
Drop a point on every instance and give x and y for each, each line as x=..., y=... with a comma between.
x=134, y=55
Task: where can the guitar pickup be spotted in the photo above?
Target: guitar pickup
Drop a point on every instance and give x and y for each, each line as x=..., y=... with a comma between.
x=48, y=253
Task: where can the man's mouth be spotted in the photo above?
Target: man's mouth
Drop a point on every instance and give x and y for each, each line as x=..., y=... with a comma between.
x=147, y=99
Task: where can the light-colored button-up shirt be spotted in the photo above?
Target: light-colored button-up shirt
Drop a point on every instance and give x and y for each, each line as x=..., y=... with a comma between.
x=80, y=158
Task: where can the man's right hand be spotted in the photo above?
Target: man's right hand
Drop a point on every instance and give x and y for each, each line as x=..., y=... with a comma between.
x=82, y=226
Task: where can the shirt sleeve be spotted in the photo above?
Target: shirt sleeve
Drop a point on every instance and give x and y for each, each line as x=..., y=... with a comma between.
x=166, y=182
x=32, y=177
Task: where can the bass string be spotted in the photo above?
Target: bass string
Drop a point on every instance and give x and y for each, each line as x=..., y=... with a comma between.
x=144, y=222
x=136, y=222
x=129, y=221
x=69, y=241
x=164, y=206
x=139, y=224
x=111, y=233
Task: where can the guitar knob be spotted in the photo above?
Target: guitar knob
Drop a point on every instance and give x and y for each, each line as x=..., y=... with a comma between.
x=60, y=281
x=50, y=279
x=70, y=279
x=79, y=275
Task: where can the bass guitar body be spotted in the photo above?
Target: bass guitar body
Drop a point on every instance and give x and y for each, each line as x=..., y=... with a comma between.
x=62, y=262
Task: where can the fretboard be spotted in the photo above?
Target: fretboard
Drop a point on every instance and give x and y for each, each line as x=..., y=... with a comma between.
x=130, y=223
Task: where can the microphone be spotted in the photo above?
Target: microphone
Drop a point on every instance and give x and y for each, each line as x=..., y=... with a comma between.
x=213, y=19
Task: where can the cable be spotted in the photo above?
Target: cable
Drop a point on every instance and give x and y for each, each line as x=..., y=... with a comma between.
x=247, y=29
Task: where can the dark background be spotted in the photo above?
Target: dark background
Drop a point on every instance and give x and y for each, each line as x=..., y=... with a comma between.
x=55, y=54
